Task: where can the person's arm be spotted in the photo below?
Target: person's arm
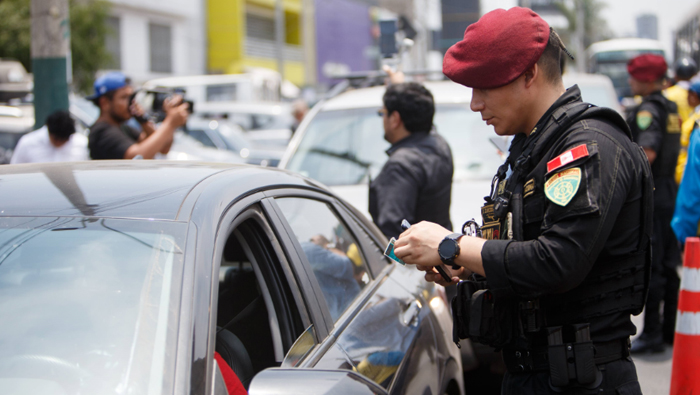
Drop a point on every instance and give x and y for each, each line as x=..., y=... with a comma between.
x=563, y=254
x=395, y=191
x=651, y=134
x=687, y=213
x=161, y=139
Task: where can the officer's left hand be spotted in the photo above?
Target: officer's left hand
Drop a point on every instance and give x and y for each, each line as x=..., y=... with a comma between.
x=419, y=244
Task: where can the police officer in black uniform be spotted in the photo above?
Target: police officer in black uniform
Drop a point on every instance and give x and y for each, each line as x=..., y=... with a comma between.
x=656, y=127
x=564, y=255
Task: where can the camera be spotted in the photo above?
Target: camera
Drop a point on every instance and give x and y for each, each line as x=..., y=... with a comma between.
x=151, y=100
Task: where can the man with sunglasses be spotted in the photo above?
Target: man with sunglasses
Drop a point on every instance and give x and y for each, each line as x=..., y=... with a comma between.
x=416, y=182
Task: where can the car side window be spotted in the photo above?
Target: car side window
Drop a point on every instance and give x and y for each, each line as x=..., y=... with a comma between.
x=330, y=248
x=201, y=136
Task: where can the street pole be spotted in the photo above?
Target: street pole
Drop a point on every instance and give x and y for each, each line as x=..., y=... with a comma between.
x=308, y=20
x=279, y=37
x=50, y=50
x=580, y=36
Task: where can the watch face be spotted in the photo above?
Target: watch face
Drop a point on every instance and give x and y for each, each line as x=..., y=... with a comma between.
x=447, y=249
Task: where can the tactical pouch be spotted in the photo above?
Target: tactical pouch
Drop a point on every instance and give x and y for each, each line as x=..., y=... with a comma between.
x=478, y=317
x=572, y=365
x=461, y=308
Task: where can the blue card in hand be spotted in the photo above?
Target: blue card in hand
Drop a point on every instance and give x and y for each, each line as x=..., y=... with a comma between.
x=389, y=252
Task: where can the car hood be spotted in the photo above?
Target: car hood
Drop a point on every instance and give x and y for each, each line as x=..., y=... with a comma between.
x=467, y=199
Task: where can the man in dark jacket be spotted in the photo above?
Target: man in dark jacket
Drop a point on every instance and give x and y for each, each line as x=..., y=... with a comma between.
x=416, y=182
x=656, y=127
x=565, y=251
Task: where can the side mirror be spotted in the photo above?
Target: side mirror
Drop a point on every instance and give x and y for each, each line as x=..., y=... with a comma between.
x=313, y=382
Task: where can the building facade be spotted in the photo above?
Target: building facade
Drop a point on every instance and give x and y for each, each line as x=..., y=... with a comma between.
x=648, y=26
x=157, y=38
x=241, y=35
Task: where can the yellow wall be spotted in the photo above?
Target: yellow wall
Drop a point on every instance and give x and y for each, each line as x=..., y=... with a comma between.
x=226, y=34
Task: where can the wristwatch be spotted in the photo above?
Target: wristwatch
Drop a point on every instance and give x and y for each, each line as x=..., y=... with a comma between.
x=449, y=248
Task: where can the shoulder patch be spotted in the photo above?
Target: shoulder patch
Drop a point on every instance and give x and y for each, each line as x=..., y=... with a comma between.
x=644, y=119
x=673, y=125
x=569, y=156
x=561, y=187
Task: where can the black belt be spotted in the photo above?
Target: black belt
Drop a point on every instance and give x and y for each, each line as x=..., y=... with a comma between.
x=519, y=361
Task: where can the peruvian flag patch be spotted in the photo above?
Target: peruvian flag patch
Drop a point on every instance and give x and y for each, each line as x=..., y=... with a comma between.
x=567, y=157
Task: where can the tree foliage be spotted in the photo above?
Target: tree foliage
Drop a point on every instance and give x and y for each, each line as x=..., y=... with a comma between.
x=595, y=27
x=88, y=34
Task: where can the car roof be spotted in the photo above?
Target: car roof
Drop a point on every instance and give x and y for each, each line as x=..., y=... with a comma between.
x=271, y=108
x=444, y=92
x=16, y=119
x=144, y=189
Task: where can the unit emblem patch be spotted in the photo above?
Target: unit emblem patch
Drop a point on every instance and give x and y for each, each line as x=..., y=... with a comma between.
x=644, y=119
x=561, y=187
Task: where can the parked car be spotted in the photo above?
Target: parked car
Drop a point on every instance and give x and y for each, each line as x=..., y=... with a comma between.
x=15, y=122
x=126, y=276
x=596, y=89
x=226, y=136
x=265, y=123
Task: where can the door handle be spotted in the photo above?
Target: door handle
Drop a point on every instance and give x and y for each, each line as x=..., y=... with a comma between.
x=411, y=312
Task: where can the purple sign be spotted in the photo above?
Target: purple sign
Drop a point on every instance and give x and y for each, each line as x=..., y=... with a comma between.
x=343, y=35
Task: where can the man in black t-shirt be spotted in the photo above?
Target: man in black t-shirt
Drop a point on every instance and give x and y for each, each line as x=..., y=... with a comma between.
x=111, y=138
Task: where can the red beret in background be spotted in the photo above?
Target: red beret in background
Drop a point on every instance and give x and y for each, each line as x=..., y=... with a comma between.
x=647, y=67
x=497, y=49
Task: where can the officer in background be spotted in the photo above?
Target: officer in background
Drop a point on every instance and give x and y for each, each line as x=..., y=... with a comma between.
x=686, y=218
x=568, y=221
x=691, y=95
x=416, y=182
x=683, y=70
x=656, y=127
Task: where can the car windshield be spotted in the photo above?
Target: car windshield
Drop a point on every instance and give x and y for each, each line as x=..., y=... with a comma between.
x=89, y=305
x=346, y=147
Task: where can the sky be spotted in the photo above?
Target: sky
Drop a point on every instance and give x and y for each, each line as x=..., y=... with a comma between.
x=621, y=15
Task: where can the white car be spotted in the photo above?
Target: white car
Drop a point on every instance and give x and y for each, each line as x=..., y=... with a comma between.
x=341, y=143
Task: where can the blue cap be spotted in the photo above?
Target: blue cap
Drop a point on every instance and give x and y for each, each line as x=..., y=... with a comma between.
x=695, y=87
x=108, y=82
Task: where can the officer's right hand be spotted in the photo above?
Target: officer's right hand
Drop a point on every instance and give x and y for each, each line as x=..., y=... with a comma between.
x=176, y=111
x=432, y=275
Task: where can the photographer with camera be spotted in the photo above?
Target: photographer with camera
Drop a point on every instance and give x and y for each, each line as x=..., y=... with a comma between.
x=111, y=138
x=564, y=256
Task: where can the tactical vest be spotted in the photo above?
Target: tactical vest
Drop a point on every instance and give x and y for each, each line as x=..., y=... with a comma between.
x=613, y=284
x=665, y=163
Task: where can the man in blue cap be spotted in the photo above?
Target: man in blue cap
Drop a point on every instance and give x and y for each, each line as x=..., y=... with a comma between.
x=111, y=138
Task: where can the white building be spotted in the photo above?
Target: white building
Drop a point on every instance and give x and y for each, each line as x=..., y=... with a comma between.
x=158, y=38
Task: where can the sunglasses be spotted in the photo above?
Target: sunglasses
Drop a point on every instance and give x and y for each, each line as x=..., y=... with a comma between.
x=381, y=112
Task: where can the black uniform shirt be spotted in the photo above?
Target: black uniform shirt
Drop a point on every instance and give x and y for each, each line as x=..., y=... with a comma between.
x=562, y=243
x=415, y=184
x=655, y=125
x=107, y=141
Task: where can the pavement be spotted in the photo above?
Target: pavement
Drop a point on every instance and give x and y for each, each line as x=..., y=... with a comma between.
x=653, y=370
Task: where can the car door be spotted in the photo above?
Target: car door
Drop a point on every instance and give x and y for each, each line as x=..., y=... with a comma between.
x=376, y=326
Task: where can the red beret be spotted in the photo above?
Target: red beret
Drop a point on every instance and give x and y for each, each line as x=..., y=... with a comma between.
x=497, y=49
x=647, y=67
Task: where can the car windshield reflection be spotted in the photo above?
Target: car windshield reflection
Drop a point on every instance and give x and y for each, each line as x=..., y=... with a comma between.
x=91, y=304
x=347, y=147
